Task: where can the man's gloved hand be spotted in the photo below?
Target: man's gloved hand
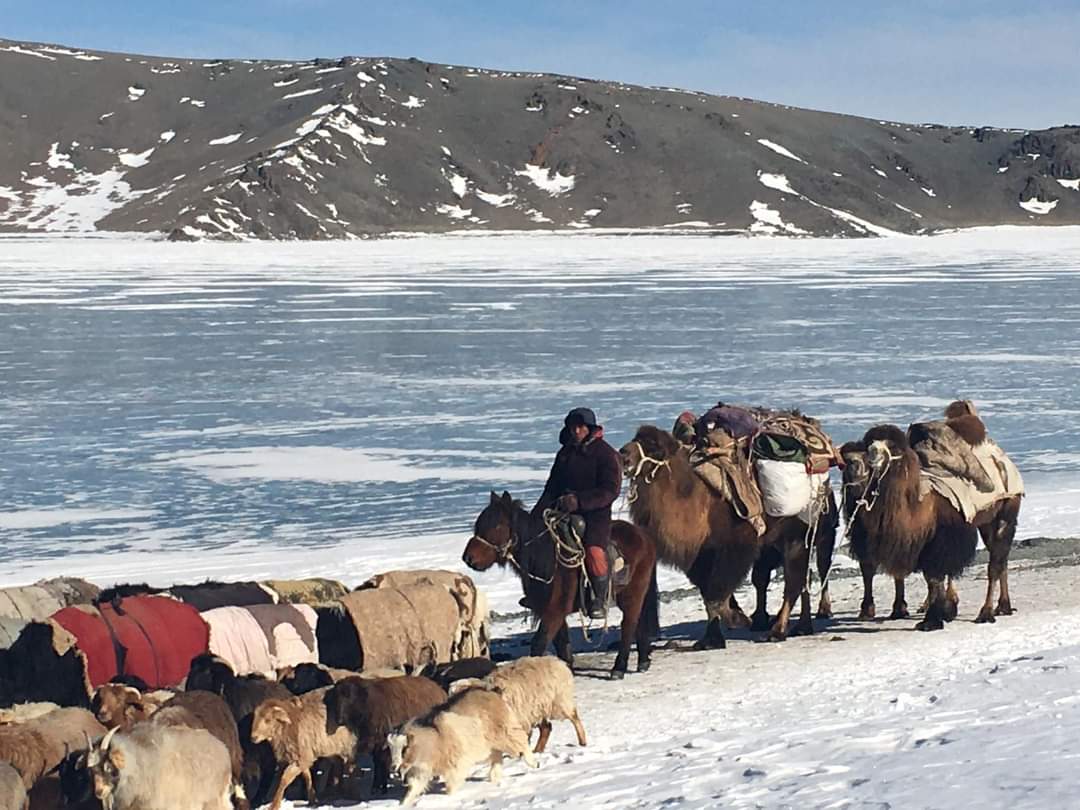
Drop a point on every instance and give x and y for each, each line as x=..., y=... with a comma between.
x=567, y=503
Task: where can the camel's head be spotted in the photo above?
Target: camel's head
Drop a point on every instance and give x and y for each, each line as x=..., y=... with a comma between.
x=493, y=534
x=649, y=442
x=884, y=445
x=856, y=464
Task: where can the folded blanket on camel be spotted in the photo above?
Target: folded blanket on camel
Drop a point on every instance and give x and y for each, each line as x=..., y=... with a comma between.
x=971, y=478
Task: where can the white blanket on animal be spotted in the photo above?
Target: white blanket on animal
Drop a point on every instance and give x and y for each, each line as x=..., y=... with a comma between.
x=788, y=490
x=964, y=495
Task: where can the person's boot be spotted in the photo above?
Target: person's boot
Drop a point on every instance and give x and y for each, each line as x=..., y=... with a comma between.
x=598, y=597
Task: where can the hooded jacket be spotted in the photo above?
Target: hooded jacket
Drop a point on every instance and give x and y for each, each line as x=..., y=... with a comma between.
x=593, y=472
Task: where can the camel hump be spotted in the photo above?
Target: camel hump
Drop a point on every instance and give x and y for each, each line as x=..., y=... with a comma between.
x=944, y=451
x=969, y=427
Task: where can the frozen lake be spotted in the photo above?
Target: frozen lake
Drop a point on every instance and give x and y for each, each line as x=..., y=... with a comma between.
x=295, y=409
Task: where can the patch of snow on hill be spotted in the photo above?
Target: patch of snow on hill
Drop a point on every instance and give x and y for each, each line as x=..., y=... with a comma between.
x=167, y=136
x=769, y=221
x=780, y=150
x=458, y=184
x=413, y=103
x=286, y=82
x=58, y=159
x=135, y=93
x=24, y=52
x=1073, y=184
x=453, y=211
x=547, y=180
x=1037, y=206
x=779, y=182
x=74, y=207
x=300, y=93
x=226, y=139
x=497, y=200
x=134, y=160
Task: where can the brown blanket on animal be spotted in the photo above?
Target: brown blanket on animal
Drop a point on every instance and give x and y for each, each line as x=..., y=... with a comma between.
x=820, y=450
x=414, y=625
x=44, y=598
x=944, y=452
x=722, y=463
x=461, y=586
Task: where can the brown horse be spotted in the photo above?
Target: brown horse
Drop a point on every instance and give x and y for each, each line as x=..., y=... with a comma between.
x=701, y=534
x=506, y=534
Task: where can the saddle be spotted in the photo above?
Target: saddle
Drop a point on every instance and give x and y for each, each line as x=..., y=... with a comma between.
x=570, y=531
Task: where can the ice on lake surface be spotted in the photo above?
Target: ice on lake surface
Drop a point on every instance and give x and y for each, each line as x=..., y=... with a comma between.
x=290, y=409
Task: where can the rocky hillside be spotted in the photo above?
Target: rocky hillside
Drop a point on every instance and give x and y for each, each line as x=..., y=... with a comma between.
x=352, y=147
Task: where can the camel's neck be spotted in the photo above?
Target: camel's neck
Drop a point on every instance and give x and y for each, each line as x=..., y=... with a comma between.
x=897, y=499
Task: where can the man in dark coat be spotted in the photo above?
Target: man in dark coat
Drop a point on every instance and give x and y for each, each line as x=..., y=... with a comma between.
x=585, y=479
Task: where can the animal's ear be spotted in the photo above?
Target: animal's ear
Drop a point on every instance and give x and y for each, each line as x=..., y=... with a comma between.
x=507, y=499
x=279, y=714
x=494, y=497
x=116, y=757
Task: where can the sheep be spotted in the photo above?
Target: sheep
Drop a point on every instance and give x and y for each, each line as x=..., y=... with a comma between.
x=299, y=734
x=474, y=726
x=156, y=767
x=22, y=712
x=243, y=695
x=199, y=709
x=12, y=790
x=37, y=746
x=371, y=709
x=537, y=690
x=115, y=704
x=446, y=674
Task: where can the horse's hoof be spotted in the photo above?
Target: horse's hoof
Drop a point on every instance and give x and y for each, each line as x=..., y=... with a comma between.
x=950, y=611
x=775, y=635
x=618, y=674
x=867, y=614
x=761, y=622
x=1004, y=609
x=644, y=666
x=823, y=614
x=986, y=616
x=928, y=624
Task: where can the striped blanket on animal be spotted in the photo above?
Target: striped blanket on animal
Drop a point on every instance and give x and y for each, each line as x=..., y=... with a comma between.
x=42, y=599
x=260, y=639
x=961, y=463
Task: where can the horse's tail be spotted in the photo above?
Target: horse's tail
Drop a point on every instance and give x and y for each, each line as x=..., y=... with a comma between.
x=650, y=609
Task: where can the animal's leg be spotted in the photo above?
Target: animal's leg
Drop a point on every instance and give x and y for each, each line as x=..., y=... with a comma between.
x=801, y=564
x=542, y=738
x=291, y=771
x=579, y=727
x=309, y=784
x=1004, y=605
x=454, y=778
x=952, y=600
x=732, y=615
x=630, y=601
x=824, y=544
x=545, y=633
x=644, y=646
x=380, y=770
x=714, y=631
x=1004, y=532
x=796, y=563
x=759, y=577
x=867, y=611
x=495, y=767
x=936, y=603
x=562, y=645
x=899, y=605
x=417, y=786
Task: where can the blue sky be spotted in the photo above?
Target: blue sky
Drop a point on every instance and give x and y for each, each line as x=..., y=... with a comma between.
x=949, y=61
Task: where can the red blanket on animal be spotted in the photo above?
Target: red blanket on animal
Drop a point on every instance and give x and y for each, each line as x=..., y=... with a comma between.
x=152, y=637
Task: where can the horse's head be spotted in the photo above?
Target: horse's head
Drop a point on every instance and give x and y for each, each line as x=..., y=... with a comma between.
x=493, y=534
x=650, y=444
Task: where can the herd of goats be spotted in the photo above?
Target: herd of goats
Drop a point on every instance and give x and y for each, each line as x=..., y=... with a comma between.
x=230, y=739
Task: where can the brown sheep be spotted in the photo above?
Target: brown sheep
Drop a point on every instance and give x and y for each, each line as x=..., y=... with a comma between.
x=21, y=712
x=298, y=731
x=537, y=690
x=475, y=726
x=12, y=789
x=371, y=709
x=37, y=746
x=117, y=705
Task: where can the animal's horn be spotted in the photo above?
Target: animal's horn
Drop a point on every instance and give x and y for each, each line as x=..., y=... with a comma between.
x=108, y=738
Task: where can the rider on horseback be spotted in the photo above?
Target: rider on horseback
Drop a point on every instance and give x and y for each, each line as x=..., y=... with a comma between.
x=585, y=479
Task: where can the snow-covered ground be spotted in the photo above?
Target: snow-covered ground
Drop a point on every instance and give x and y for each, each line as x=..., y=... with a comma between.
x=860, y=715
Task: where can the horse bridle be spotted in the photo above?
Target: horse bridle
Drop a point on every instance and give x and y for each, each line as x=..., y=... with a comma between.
x=503, y=553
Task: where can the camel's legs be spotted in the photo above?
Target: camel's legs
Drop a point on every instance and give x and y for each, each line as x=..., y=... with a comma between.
x=759, y=577
x=796, y=566
x=899, y=605
x=936, y=605
x=866, y=609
